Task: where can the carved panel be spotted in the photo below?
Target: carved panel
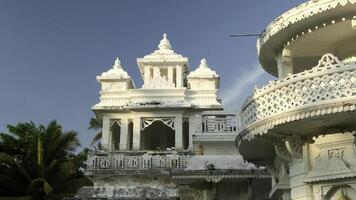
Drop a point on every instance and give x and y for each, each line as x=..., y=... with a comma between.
x=336, y=153
x=159, y=82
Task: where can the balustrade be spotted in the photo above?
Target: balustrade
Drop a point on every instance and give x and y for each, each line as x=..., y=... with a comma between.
x=331, y=81
x=219, y=124
x=120, y=161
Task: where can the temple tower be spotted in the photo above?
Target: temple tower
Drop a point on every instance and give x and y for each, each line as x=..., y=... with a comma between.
x=168, y=139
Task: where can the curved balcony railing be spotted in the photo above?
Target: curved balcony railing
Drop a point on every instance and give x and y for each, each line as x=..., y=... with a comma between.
x=128, y=161
x=299, y=13
x=331, y=81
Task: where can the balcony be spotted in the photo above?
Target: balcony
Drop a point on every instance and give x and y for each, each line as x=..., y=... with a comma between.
x=298, y=22
x=311, y=102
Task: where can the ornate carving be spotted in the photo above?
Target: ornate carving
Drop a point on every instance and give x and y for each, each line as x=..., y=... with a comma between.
x=146, y=122
x=159, y=82
x=115, y=121
x=336, y=153
x=328, y=60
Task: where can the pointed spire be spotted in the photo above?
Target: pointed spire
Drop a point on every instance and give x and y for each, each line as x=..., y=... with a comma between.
x=203, y=63
x=164, y=44
x=117, y=64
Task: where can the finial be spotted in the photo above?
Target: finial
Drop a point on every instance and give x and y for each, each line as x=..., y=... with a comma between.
x=204, y=63
x=117, y=64
x=164, y=43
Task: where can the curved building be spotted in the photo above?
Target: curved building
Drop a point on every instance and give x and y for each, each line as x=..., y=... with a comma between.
x=302, y=125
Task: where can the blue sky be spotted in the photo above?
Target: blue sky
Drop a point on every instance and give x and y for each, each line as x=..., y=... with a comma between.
x=52, y=51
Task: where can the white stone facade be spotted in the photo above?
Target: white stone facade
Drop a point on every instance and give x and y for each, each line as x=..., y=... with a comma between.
x=302, y=126
x=168, y=139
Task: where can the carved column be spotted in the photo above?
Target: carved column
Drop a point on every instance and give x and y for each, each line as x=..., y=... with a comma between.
x=106, y=135
x=284, y=63
x=170, y=75
x=192, y=126
x=156, y=72
x=147, y=75
x=136, y=141
x=178, y=126
x=124, y=133
x=179, y=76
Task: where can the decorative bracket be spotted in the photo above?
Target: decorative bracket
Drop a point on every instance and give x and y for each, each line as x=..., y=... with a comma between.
x=282, y=152
x=146, y=122
x=295, y=147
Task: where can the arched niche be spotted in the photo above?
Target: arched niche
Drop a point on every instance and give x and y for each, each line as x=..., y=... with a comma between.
x=157, y=136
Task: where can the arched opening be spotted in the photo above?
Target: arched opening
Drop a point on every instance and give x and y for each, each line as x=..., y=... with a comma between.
x=115, y=131
x=130, y=136
x=185, y=135
x=157, y=136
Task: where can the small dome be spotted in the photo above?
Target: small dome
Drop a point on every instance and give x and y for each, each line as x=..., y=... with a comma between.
x=203, y=70
x=164, y=44
x=116, y=71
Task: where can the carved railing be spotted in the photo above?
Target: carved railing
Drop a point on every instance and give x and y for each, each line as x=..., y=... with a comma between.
x=219, y=123
x=330, y=81
x=124, y=161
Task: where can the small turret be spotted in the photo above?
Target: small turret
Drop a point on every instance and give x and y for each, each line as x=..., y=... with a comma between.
x=203, y=78
x=116, y=79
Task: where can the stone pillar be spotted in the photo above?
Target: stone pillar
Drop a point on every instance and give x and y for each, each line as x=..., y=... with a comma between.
x=179, y=77
x=124, y=131
x=284, y=63
x=106, y=134
x=156, y=71
x=136, y=141
x=192, y=125
x=298, y=170
x=147, y=75
x=178, y=126
x=170, y=75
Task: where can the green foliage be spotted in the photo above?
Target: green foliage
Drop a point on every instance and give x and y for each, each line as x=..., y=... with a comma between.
x=38, y=161
x=96, y=124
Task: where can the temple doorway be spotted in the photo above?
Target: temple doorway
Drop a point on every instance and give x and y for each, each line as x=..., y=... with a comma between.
x=157, y=136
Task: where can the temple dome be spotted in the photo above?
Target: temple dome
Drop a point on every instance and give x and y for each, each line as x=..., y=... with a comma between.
x=203, y=70
x=116, y=72
x=164, y=51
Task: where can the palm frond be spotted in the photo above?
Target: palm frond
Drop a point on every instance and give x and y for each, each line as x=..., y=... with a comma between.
x=10, y=160
x=95, y=123
x=39, y=185
x=96, y=138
